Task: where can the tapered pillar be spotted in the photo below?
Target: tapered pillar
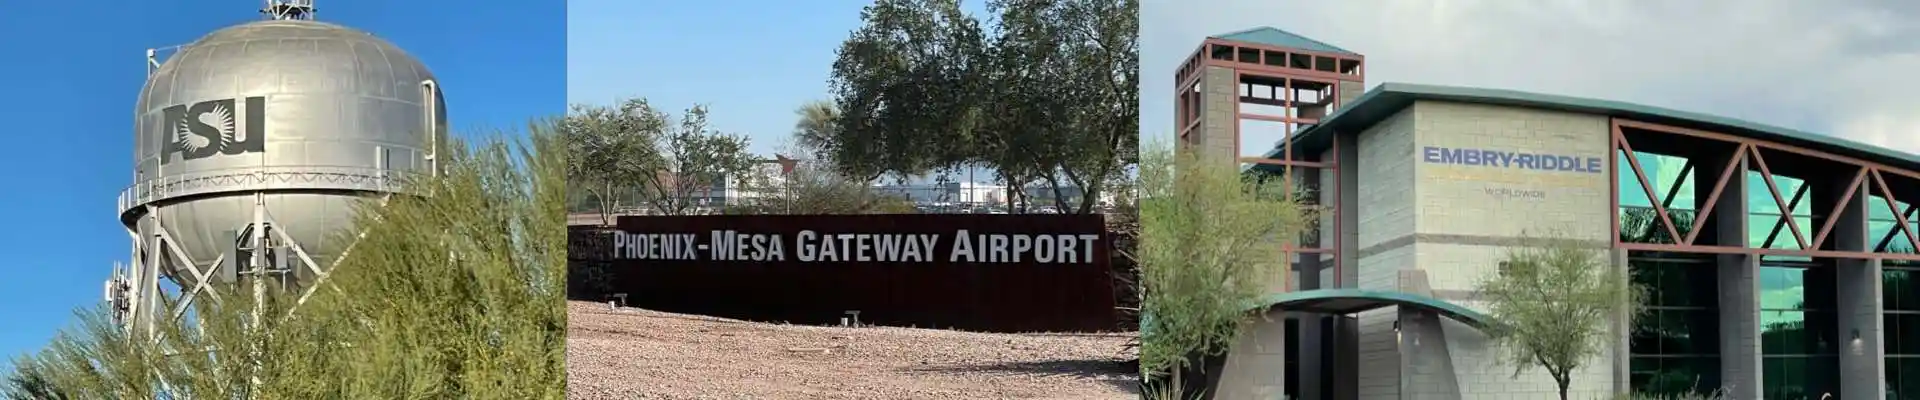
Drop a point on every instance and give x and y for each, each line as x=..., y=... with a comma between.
x=1739, y=284
x=1856, y=290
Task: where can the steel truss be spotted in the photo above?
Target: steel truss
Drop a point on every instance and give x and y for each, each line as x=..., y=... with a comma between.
x=1868, y=178
x=267, y=251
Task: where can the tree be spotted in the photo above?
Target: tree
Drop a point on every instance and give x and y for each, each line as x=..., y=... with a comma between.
x=31, y=381
x=1047, y=96
x=1063, y=91
x=814, y=133
x=1207, y=252
x=1551, y=302
x=809, y=187
x=903, y=84
x=639, y=152
x=454, y=293
x=812, y=190
x=691, y=158
x=609, y=150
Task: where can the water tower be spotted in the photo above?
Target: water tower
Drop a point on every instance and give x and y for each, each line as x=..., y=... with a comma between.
x=252, y=145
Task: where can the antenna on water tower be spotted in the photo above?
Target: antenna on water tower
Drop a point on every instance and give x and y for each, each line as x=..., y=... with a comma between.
x=289, y=10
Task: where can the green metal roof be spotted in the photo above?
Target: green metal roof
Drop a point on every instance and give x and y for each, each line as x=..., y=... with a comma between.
x=1268, y=35
x=1348, y=301
x=1387, y=99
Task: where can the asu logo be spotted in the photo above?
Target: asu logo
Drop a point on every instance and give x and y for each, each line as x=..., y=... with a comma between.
x=210, y=128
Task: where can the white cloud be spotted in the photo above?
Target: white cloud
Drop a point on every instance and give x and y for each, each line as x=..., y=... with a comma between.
x=1849, y=68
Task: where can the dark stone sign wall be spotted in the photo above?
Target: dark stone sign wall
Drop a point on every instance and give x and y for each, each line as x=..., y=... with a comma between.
x=1001, y=273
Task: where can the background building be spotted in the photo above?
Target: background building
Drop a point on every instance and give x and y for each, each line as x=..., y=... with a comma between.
x=1779, y=262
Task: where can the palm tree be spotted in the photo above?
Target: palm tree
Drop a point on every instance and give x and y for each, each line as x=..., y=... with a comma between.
x=814, y=132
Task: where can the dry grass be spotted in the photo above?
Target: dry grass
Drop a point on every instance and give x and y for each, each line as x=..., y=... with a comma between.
x=641, y=354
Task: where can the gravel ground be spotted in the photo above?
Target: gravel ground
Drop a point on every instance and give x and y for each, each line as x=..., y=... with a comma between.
x=641, y=354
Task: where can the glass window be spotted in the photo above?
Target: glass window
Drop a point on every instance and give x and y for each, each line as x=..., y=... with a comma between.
x=1796, y=378
x=1798, y=330
x=1676, y=343
x=1893, y=378
x=1910, y=334
x=1904, y=379
x=1781, y=380
x=1783, y=332
x=1890, y=328
x=1902, y=332
x=1900, y=291
x=1674, y=375
x=1782, y=288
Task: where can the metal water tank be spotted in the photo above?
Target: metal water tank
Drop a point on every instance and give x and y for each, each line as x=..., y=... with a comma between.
x=302, y=117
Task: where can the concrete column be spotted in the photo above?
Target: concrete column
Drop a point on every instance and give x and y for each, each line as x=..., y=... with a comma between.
x=1739, y=284
x=1349, y=216
x=1857, y=290
x=1727, y=226
x=1346, y=360
x=1623, y=331
x=1739, y=288
x=1346, y=379
x=1313, y=343
x=1861, y=369
x=1426, y=362
x=1219, y=123
x=1256, y=365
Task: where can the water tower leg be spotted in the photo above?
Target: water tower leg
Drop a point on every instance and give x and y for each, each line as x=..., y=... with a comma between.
x=320, y=277
x=150, y=284
x=203, y=278
x=257, y=263
x=204, y=286
x=299, y=252
x=259, y=272
x=142, y=286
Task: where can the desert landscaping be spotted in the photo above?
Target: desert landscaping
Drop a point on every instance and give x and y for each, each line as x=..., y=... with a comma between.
x=633, y=353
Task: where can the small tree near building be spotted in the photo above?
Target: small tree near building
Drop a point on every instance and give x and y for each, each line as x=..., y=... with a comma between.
x=1552, y=303
x=1210, y=245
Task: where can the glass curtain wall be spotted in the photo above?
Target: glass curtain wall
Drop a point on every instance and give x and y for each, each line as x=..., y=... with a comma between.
x=1799, y=344
x=1900, y=295
x=1675, y=347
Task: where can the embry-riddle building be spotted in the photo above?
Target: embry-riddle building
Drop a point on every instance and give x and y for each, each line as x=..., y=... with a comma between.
x=1780, y=263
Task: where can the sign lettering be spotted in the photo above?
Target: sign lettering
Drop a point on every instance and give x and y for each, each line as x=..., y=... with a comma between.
x=810, y=246
x=209, y=128
x=1509, y=159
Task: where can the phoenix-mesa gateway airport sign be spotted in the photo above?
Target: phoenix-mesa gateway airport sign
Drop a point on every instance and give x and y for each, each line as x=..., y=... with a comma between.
x=982, y=272
x=960, y=246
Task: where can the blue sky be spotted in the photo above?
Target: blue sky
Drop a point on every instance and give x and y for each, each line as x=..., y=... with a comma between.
x=73, y=71
x=751, y=62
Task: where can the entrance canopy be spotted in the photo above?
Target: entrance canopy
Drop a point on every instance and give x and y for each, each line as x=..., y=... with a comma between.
x=1349, y=301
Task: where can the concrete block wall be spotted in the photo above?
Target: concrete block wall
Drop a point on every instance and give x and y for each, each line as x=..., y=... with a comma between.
x=1219, y=95
x=1455, y=199
x=1385, y=195
x=1469, y=217
x=1350, y=91
x=1457, y=223
x=1329, y=186
x=1256, y=364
